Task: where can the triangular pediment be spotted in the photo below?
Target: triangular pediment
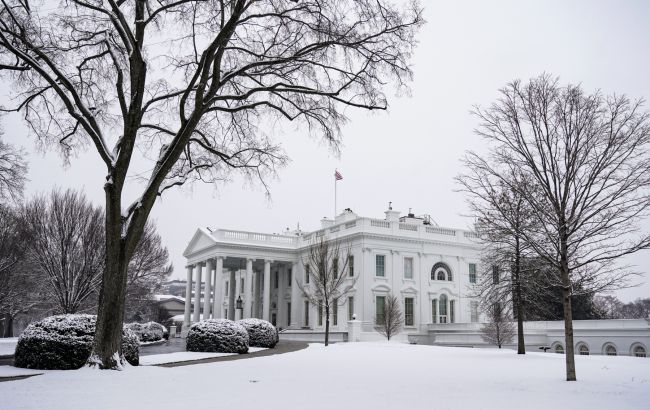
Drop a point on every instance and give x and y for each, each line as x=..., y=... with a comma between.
x=201, y=240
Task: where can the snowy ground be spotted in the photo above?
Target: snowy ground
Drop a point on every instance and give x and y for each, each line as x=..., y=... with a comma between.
x=8, y=345
x=176, y=357
x=351, y=375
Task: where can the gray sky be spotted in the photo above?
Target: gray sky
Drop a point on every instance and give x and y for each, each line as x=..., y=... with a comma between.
x=410, y=154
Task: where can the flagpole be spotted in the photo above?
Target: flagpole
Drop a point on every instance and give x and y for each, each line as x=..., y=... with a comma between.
x=335, y=181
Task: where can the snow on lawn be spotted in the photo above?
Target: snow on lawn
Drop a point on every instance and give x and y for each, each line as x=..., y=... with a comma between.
x=8, y=345
x=185, y=356
x=375, y=375
x=10, y=371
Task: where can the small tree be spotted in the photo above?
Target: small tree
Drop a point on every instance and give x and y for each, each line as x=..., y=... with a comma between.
x=498, y=330
x=389, y=322
x=329, y=285
x=13, y=169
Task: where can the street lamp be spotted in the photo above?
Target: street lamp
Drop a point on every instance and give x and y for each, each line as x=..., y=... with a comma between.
x=239, y=302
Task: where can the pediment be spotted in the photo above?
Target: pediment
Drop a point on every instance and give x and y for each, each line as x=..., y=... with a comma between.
x=201, y=240
x=381, y=288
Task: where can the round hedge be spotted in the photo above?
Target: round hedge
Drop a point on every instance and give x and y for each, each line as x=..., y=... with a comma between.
x=217, y=335
x=64, y=342
x=148, y=332
x=260, y=332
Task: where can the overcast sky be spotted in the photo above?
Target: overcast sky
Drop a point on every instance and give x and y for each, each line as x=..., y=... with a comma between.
x=410, y=154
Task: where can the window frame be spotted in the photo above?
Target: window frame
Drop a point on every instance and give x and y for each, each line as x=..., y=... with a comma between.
x=379, y=316
x=351, y=266
x=410, y=315
x=472, y=273
x=405, y=264
x=383, y=265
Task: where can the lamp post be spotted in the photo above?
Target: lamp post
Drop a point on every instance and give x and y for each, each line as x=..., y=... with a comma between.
x=239, y=306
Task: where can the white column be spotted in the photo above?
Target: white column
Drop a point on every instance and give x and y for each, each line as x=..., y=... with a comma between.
x=231, y=295
x=282, y=280
x=208, y=289
x=197, y=293
x=217, y=306
x=255, y=309
x=296, y=300
x=248, y=294
x=188, y=298
x=267, y=291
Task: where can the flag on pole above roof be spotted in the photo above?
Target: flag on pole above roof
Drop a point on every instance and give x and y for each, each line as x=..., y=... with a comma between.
x=337, y=175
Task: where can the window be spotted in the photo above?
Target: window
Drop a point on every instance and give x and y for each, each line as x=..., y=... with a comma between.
x=289, y=277
x=443, y=308
x=335, y=268
x=473, y=306
x=350, y=308
x=227, y=287
x=452, y=311
x=380, y=265
x=610, y=350
x=639, y=351
x=441, y=271
x=583, y=350
x=335, y=312
x=320, y=313
x=408, y=311
x=306, y=313
x=472, y=273
x=276, y=279
x=288, y=314
x=380, y=302
x=351, y=266
x=495, y=274
x=441, y=274
x=408, y=268
x=434, y=311
x=307, y=274
x=559, y=349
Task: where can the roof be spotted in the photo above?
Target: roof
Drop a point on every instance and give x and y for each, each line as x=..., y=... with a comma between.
x=164, y=298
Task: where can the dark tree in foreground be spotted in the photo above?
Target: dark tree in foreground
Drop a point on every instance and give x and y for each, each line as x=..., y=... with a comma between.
x=498, y=330
x=502, y=216
x=196, y=88
x=587, y=156
x=389, y=321
x=329, y=283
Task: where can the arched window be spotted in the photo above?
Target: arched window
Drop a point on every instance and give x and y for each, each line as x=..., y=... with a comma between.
x=583, y=350
x=441, y=271
x=610, y=350
x=559, y=349
x=452, y=311
x=639, y=351
x=443, y=308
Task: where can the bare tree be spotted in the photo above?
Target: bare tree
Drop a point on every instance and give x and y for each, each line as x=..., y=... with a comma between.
x=498, y=330
x=502, y=216
x=13, y=170
x=329, y=284
x=389, y=322
x=66, y=235
x=588, y=158
x=196, y=87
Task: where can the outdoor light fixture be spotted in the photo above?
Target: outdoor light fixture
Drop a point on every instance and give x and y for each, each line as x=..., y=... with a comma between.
x=239, y=303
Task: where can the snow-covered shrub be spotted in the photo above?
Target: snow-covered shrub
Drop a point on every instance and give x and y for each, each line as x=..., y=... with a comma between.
x=260, y=332
x=149, y=332
x=217, y=335
x=64, y=342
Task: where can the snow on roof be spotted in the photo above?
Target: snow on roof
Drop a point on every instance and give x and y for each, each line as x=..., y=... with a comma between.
x=163, y=298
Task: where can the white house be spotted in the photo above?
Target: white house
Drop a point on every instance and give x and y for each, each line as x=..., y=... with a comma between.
x=428, y=267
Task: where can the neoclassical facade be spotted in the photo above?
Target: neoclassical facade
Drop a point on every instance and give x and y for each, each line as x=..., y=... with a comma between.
x=248, y=274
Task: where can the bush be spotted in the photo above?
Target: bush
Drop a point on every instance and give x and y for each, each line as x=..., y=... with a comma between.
x=217, y=335
x=260, y=332
x=65, y=342
x=149, y=332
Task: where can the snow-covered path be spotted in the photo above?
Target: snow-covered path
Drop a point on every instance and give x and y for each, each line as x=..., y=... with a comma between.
x=351, y=375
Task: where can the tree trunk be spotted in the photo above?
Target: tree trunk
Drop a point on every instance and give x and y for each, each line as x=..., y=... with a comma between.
x=327, y=324
x=8, y=325
x=107, y=352
x=521, y=345
x=568, y=316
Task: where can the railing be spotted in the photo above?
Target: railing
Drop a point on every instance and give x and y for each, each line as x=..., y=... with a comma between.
x=350, y=224
x=379, y=223
x=441, y=231
x=258, y=237
x=408, y=227
x=470, y=235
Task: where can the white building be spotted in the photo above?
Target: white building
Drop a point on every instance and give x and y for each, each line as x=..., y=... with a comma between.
x=429, y=268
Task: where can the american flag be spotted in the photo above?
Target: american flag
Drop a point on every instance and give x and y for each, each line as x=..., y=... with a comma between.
x=337, y=175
